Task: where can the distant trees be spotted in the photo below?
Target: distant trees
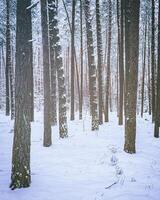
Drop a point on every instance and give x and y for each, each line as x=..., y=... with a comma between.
x=81, y=71
x=20, y=176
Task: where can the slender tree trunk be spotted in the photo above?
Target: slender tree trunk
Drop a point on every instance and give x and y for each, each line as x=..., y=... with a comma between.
x=149, y=71
x=52, y=65
x=143, y=69
x=72, y=59
x=100, y=62
x=121, y=59
x=12, y=84
x=157, y=119
x=47, y=140
x=132, y=47
x=153, y=60
x=20, y=176
x=108, y=62
x=92, y=67
x=9, y=65
x=81, y=57
x=8, y=58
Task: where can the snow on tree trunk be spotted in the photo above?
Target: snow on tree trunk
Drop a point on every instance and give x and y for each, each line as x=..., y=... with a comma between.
x=20, y=176
x=92, y=67
x=100, y=61
x=53, y=65
x=63, y=130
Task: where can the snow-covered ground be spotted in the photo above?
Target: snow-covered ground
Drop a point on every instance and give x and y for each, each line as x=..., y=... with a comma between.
x=87, y=165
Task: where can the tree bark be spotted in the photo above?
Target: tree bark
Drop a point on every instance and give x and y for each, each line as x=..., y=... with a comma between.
x=157, y=118
x=143, y=68
x=20, y=176
x=72, y=59
x=47, y=140
x=92, y=67
x=132, y=47
x=121, y=58
x=8, y=58
x=153, y=60
x=52, y=65
x=100, y=62
x=81, y=57
x=108, y=62
x=63, y=129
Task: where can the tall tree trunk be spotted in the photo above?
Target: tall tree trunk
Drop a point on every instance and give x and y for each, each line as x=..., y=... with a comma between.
x=92, y=67
x=20, y=176
x=153, y=60
x=9, y=65
x=132, y=46
x=72, y=59
x=100, y=62
x=52, y=65
x=149, y=71
x=8, y=58
x=47, y=140
x=12, y=84
x=157, y=118
x=121, y=59
x=63, y=129
x=108, y=62
x=81, y=57
x=143, y=68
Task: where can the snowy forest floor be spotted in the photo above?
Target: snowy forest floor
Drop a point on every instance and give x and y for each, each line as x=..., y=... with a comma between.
x=87, y=165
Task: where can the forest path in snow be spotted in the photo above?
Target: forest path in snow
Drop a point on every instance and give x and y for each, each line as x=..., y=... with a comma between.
x=87, y=165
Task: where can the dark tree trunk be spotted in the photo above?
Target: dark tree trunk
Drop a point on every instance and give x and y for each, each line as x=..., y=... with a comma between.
x=12, y=84
x=8, y=58
x=72, y=59
x=100, y=62
x=153, y=60
x=157, y=118
x=108, y=63
x=52, y=65
x=149, y=71
x=47, y=140
x=121, y=59
x=92, y=67
x=20, y=176
x=132, y=47
x=81, y=57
